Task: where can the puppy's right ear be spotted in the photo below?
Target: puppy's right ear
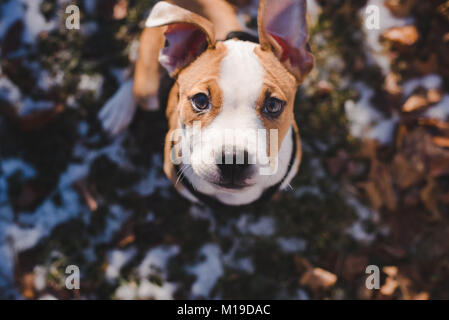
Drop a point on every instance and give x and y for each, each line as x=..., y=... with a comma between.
x=187, y=35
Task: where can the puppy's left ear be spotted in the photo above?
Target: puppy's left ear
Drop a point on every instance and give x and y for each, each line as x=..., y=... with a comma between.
x=187, y=35
x=283, y=29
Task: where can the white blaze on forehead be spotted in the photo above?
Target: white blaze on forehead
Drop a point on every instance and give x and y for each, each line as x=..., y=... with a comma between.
x=240, y=80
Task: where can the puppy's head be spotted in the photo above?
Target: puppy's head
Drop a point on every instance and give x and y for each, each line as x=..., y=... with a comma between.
x=235, y=98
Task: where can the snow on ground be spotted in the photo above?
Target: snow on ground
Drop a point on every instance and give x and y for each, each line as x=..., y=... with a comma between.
x=292, y=245
x=365, y=120
x=207, y=272
x=386, y=21
x=27, y=11
x=263, y=227
x=440, y=111
x=154, y=264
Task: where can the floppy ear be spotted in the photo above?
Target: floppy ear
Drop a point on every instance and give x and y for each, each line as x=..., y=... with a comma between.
x=283, y=29
x=187, y=35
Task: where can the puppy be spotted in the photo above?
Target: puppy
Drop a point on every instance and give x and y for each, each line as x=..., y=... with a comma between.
x=232, y=137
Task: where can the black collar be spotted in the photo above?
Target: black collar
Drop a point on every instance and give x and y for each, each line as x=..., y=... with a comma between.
x=266, y=195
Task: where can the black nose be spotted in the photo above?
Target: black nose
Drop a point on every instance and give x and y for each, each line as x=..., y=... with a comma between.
x=234, y=167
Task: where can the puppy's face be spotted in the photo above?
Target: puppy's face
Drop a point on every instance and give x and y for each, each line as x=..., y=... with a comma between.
x=234, y=99
x=235, y=106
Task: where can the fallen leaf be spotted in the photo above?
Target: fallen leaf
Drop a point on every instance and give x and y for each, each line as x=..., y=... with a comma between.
x=406, y=36
x=434, y=123
x=434, y=96
x=317, y=278
x=391, y=271
x=414, y=103
x=389, y=287
x=391, y=84
x=442, y=142
x=400, y=8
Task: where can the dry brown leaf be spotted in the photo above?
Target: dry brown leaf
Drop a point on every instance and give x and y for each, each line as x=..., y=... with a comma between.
x=422, y=296
x=442, y=142
x=317, y=278
x=414, y=103
x=389, y=287
x=433, y=123
x=127, y=240
x=391, y=271
x=391, y=84
x=434, y=96
x=400, y=8
x=87, y=196
x=405, y=36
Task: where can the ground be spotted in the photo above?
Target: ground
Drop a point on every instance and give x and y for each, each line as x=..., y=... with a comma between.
x=373, y=188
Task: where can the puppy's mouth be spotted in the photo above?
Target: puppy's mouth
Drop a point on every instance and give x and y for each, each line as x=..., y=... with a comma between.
x=233, y=186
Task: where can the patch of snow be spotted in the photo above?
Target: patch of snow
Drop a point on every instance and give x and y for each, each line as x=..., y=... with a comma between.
x=127, y=291
x=308, y=190
x=154, y=179
x=10, y=12
x=374, y=49
x=116, y=260
x=10, y=92
x=156, y=260
x=200, y=212
x=114, y=221
x=207, y=272
x=431, y=81
x=155, y=263
x=264, y=227
x=365, y=120
x=12, y=165
x=357, y=230
x=440, y=111
x=92, y=83
x=34, y=21
x=292, y=245
x=148, y=290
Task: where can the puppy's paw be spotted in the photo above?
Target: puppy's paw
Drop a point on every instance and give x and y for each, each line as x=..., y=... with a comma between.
x=118, y=112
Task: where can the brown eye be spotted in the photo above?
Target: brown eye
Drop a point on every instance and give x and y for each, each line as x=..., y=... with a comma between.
x=273, y=107
x=200, y=102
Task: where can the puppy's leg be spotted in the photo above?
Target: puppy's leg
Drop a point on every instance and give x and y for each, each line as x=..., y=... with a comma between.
x=118, y=112
x=147, y=72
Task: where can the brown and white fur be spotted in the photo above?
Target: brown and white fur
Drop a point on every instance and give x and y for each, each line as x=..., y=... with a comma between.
x=237, y=76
